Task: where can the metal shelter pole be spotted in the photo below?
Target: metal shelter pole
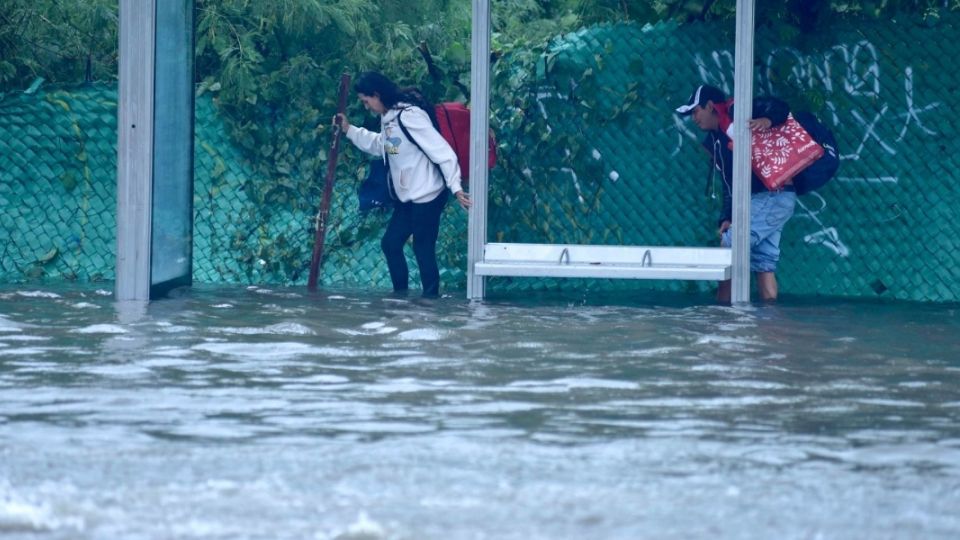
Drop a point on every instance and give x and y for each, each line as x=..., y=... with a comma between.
x=479, y=129
x=743, y=98
x=135, y=148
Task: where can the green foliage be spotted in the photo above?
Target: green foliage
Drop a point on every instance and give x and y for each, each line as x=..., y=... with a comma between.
x=63, y=41
x=273, y=68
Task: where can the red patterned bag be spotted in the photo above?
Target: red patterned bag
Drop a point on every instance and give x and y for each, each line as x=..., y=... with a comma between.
x=779, y=153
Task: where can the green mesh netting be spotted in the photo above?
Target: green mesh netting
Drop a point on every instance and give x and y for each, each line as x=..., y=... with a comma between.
x=590, y=152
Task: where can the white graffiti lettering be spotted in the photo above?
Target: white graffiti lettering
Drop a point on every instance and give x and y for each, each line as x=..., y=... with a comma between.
x=912, y=112
x=851, y=69
x=828, y=237
x=869, y=132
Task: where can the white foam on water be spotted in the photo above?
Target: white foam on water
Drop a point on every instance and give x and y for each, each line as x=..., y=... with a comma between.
x=324, y=379
x=21, y=515
x=533, y=387
x=569, y=355
x=103, y=292
x=655, y=351
x=155, y=363
x=280, y=329
x=565, y=385
x=726, y=341
x=118, y=370
x=495, y=407
x=38, y=294
x=177, y=329
x=222, y=306
x=416, y=360
x=367, y=331
x=6, y=325
x=423, y=334
x=362, y=529
x=21, y=337
x=535, y=345
x=16, y=516
x=713, y=368
x=282, y=350
x=755, y=385
x=587, y=382
x=373, y=325
x=893, y=454
x=197, y=528
x=402, y=386
x=832, y=409
x=221, y=430
x=716, y=403
x=890, y=402
x=382, y=427
x=336, y=297
x=731, y=327
x=278, y=294
x=847, y=386
x=29, y=351
x=100, y=329
x=918, y=384
x=85, y=305
x=494, y=433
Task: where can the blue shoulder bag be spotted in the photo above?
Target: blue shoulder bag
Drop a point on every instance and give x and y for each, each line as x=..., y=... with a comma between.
x=376, y=190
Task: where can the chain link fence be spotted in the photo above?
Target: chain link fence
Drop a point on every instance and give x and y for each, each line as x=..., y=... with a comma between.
x=590, y=152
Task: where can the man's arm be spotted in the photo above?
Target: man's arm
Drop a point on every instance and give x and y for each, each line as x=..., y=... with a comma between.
x=771, y=108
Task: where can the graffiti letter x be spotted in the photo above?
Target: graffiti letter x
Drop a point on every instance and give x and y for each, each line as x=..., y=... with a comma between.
x=911, y=111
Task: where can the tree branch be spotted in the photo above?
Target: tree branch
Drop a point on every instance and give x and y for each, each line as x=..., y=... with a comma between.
x=432, y=68
x=706, y=9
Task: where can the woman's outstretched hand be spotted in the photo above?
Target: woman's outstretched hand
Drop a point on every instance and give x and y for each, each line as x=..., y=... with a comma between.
x=464, y=199
x=341, y=119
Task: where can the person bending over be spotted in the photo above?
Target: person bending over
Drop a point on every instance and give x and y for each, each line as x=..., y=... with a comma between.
x=422, y=168
x=712, y=112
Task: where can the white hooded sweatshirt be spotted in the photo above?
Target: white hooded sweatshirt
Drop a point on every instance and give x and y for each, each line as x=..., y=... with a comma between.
x=415, y=177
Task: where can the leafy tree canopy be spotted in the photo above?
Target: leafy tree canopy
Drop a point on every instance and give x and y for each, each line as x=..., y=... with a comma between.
x=66, y=41
x=273, y=66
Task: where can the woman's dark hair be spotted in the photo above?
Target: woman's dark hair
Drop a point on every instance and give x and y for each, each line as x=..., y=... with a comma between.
x=373, y=83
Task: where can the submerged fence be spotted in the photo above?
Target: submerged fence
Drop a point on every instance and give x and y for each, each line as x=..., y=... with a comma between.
x=590, y=152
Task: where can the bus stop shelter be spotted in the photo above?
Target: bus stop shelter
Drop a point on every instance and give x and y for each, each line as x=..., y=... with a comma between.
x=155, y=171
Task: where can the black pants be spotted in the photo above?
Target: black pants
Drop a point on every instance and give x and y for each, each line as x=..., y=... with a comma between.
x=423, y=222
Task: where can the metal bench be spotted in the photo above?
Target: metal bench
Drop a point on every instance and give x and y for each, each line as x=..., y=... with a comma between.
x=620, y=262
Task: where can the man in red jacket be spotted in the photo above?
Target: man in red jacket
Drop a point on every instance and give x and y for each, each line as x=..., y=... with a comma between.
x=769, y=210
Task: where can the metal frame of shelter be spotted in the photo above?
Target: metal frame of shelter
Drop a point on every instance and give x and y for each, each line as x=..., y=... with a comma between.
x=628, y=262
x=155, y=123
x=138, y=152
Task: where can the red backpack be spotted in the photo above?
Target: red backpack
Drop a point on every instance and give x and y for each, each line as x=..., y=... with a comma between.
x=453, y=119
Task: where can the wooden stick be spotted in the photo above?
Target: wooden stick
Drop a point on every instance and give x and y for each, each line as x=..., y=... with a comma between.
x=324, y=212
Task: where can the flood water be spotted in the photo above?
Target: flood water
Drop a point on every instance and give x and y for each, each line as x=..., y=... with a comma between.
x=255, y=413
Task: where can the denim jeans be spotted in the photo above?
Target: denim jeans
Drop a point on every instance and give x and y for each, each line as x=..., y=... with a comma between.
x=769, y=212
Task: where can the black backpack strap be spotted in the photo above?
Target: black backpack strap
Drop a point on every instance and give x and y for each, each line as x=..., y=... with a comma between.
x=410, y=138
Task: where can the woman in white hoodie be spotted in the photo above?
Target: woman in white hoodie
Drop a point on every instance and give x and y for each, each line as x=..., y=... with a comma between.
x=421, y=171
